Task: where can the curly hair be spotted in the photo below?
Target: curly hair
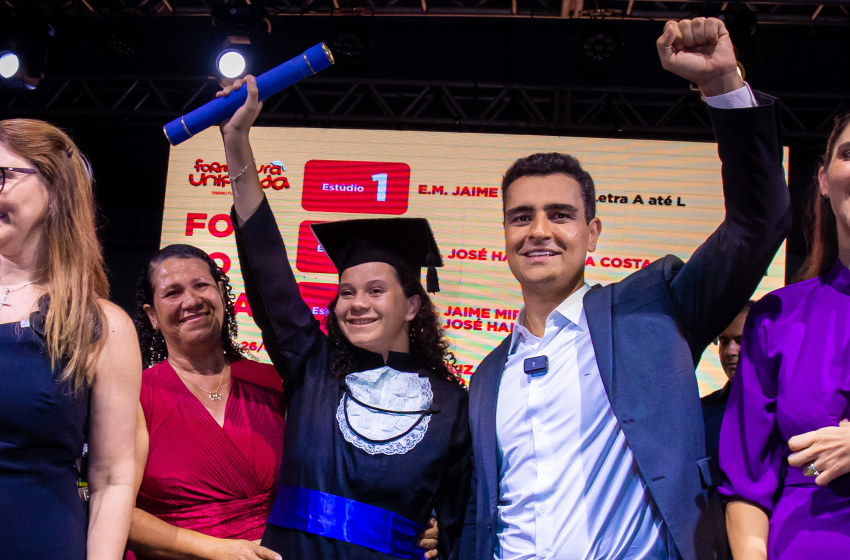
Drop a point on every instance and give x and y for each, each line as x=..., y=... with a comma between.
x=154, y=349
x=428, y=340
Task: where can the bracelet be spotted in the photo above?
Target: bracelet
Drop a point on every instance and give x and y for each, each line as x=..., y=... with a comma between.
x=244, y=169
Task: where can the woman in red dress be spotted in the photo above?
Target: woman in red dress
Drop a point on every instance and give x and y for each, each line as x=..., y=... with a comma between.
x=210, y=434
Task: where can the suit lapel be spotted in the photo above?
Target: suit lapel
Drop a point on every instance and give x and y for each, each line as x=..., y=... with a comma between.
x=487, y=416
x=598, y=310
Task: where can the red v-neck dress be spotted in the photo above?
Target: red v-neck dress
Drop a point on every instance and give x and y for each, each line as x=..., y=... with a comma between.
x=217, y=480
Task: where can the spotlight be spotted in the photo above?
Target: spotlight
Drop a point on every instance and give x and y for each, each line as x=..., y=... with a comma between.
x=242, y=31
x=9, y=64
x=231, y=63
x=599, y=44
x=24, y=33
x=235, y=58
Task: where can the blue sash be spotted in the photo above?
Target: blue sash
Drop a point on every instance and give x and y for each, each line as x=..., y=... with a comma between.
x=340, y=518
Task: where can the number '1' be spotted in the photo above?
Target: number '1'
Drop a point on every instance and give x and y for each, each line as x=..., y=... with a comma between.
x=381, y=178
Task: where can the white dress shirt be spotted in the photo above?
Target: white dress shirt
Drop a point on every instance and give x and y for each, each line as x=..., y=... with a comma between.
x=569, y=486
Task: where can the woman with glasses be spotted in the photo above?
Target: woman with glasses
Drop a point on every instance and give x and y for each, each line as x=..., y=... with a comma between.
x=69, y=359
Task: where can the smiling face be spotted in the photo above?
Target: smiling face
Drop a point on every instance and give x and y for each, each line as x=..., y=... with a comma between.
x=835, y=183
x=188, y=307
x=547, y=237
x=23, y=205
x=372, y=311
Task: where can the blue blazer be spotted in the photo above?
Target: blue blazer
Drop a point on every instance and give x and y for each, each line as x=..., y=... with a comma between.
x=649, y=331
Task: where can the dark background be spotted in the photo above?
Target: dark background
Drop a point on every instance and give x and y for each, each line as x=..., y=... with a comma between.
x=130, y=157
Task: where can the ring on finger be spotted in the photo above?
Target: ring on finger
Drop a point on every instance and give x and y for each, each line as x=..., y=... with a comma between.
x=810, y=470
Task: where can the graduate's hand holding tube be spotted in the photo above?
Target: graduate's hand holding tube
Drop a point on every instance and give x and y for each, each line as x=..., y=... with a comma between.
x=244, y=117
x=241, y=166
x=311, y=61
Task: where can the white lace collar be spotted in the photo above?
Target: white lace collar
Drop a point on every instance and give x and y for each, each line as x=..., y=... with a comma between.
x=394, y=414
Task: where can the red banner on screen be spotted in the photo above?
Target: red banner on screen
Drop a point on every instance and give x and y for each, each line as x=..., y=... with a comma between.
x=362, y=187
x=311, y=256
x=317, y=296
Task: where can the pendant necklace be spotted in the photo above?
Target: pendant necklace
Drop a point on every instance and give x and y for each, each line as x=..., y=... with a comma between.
x=213, y=395
x=6, y=291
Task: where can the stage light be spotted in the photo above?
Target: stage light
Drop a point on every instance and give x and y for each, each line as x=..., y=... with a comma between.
x=124, y=40
x=350, y=42
x=241, y=31
x=599, y=44
x=235, y=58
x=231, y=64
x=9, y=64
x=24, y=33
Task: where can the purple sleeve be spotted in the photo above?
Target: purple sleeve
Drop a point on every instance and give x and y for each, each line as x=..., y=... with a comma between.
x=751, y=447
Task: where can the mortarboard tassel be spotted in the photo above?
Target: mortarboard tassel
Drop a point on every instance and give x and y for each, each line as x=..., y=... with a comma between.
x=432, y=283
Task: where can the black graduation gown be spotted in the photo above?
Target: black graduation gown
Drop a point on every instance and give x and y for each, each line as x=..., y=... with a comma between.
x=435, y=474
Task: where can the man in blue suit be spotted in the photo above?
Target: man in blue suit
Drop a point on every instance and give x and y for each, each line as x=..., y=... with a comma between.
x=588, y=437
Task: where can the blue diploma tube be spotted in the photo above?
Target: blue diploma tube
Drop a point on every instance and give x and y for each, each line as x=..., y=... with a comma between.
x=309, y=62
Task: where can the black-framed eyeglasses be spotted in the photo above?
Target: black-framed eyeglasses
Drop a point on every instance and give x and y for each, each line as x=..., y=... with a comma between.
x=5, y=170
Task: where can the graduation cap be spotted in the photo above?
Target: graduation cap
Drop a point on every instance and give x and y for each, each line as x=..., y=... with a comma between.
x=406, y=243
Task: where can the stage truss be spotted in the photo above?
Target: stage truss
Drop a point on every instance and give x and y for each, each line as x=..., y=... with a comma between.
x=396, y=104
x=795, y=12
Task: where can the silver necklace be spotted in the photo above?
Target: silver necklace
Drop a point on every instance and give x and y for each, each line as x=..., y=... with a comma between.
x=7, y=291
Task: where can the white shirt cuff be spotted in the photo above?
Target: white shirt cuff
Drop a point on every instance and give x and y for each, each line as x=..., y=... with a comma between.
x=738, y=99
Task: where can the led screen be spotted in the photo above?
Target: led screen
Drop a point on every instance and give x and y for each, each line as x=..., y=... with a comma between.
x=653, y=197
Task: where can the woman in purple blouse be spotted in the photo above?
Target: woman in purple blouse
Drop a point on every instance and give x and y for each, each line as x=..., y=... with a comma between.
x=785, y=439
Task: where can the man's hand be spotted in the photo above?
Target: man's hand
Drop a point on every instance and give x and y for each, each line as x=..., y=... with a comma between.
x=700, y=50
x=828, y=449
x=428, y=539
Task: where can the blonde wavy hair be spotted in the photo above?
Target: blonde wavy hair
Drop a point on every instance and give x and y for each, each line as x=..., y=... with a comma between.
x=69, y=260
